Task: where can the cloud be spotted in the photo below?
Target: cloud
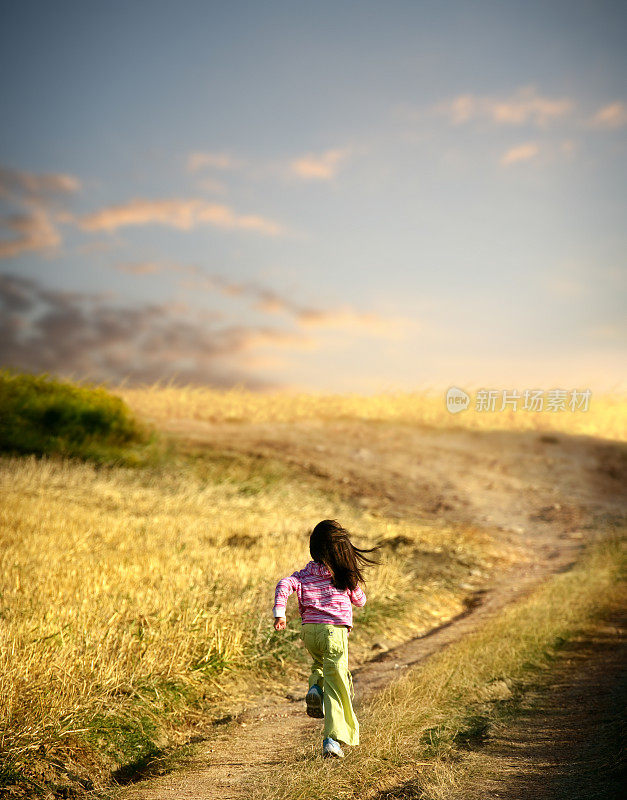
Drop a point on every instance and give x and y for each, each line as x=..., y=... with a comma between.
x=176, y=213
x=19, y=184
x=271, y=302
x=140, y=267
x=33, y=198
x=613, y=115
x=202, y=160
x=35, y=231
x=350, y=320
x=88, y=336
x=522, y=152
x=321, y=167
x=525, y=106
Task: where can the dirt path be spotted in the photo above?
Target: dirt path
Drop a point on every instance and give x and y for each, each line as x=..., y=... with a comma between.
x=567, y=743
x=546, y=493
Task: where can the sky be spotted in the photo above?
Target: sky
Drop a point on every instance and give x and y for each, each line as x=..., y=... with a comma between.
x=345, y=196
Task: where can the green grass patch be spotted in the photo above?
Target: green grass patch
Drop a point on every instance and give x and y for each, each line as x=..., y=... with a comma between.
x=44, y=416
x=252, y=474
x=126, y=738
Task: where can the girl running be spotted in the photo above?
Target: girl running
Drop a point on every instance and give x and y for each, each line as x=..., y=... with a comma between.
x=327, y=588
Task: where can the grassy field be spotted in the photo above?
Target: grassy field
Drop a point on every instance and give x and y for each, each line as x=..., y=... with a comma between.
x=605, y=418
x=136, y=593
x=414, y=733
x=133, y=599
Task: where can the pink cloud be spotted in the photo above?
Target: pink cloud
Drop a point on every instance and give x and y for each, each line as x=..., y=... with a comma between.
x=140, y=267
x=524, y=106
x=613, y=115
x=19, y=183
x=321, y=167
x=33, y=222
x=522, y=152
x=272, y=302
x=176, y=213
x=35, y=231
x=202, y=160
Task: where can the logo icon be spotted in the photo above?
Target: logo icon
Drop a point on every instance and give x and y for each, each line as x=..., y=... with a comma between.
x=457, y=400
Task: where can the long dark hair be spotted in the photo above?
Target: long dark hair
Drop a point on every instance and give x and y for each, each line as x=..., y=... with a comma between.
x=329, y=544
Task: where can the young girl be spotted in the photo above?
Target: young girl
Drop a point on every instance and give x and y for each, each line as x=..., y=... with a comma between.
x=326, y=588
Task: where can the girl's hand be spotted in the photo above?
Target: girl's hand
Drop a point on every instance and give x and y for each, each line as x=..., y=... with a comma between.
x=279, y=624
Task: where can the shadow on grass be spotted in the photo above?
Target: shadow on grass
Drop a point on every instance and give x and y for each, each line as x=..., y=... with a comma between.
x=147, y=766
x=406, y=791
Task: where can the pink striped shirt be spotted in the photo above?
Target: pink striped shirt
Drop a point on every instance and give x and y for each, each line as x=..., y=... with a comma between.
x=318, y=599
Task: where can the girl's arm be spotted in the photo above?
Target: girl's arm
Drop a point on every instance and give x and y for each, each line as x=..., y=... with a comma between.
x=284, y=589
x=358, y=597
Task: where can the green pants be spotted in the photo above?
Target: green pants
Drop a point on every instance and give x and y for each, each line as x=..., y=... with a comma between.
x=328, y=646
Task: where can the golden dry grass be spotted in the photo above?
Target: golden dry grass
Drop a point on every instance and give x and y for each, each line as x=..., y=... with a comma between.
x=131, y=598
x=606, y=417
x=127, y=593
x=410, y=731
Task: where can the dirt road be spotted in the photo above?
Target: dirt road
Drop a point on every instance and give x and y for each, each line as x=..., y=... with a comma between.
x=547, y=493
x=566, y=744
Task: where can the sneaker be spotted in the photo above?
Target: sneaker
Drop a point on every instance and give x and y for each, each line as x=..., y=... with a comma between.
x=313, y=698
x=331, y=749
